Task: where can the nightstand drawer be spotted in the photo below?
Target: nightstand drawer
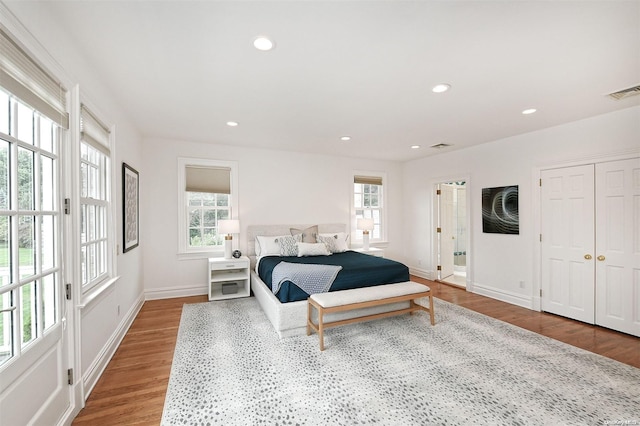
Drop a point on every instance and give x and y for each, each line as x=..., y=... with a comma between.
x=229, y=264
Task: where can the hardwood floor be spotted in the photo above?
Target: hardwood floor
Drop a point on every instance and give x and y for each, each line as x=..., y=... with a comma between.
x=612, y=344
x=132, y=388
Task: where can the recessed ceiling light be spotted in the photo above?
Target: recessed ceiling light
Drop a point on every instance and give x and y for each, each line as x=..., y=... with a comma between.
x=415, y=146
x=529, y=111
x=232, y=123
x=441, y=88
x=263, y=43
x=345, y=138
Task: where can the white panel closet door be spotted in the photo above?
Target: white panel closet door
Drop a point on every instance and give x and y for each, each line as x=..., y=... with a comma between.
x=567, y=213
x=618, y=245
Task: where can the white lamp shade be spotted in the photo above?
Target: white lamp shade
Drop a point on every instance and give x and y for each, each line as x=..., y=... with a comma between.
x=364, y=224
x=229, y=226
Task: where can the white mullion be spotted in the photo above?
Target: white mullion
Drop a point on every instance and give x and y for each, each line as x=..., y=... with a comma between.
x=37, y=284
x=37, y=241
x=7, y=330
x=13, y=232
x=104, y=174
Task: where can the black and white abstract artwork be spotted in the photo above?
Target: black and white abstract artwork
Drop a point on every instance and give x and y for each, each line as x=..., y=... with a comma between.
x=130, y=198
x=500, y=210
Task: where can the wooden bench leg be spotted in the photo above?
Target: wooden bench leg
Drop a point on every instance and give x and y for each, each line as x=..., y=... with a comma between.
x=308, y=319
x=321, y=327
x=433, y=321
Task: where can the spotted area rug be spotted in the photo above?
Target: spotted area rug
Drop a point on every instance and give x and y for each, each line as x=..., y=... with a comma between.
x=230, y=368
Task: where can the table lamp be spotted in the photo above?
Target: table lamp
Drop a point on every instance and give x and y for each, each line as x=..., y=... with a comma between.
x=365, y=225
x=229, y=226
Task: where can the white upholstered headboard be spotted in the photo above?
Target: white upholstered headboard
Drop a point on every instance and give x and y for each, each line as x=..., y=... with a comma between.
x=253, y=230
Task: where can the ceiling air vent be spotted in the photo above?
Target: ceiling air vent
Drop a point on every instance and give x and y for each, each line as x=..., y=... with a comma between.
x=625, y=93
x=440, y=145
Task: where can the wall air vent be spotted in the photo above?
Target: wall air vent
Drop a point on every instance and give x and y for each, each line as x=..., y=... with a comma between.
x=625, y=93
x=440, y=145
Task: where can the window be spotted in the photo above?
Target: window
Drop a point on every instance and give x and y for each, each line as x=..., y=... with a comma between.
x=95, y=201
x=368, y=202
x=208, y=190
x=29, y=219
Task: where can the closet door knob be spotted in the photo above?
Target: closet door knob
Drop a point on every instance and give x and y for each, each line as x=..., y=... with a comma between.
x=601, y=258
x=587, y=256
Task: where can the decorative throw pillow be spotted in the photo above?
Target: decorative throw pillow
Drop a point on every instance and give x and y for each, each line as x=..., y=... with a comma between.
x=308, y=235
x=267, y=246
x=312, y=249
x=288, y=245
x=335, y=243
x=338, y=235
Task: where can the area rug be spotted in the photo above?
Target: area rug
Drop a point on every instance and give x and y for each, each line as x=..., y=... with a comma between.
x=230, y=368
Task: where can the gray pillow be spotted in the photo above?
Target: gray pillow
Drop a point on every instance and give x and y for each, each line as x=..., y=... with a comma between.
x=308, y=235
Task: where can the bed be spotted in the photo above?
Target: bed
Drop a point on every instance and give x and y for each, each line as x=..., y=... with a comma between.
x=289, y=315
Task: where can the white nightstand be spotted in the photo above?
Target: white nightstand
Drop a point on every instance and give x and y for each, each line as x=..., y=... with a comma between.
x=228, y=278
x=373, y=251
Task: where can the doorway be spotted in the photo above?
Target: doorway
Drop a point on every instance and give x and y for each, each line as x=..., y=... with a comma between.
x=452, y=241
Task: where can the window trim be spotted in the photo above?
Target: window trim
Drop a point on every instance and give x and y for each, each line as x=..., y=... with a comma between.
x=97, y=286
x=184, y=252
x=383, y=217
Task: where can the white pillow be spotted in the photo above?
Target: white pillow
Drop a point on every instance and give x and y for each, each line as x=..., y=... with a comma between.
x=337, y=235
x=267, y=245
x=312, y=249
x=334, y=242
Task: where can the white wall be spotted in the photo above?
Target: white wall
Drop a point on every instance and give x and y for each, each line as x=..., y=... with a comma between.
x=275, y=187
x=499, y=262
x=105, y=320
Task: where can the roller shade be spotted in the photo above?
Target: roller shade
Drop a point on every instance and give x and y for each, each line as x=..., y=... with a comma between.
x=208, y=179
x=93, y=131
x=371, y=180
x=25, y=79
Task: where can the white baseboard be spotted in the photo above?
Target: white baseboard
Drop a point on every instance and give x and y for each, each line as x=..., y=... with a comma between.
x=504, y=296
x=422, y=273
x=98, y=366
x=171, y=292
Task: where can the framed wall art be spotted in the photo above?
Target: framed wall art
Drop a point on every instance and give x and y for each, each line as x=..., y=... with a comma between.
x=500, y=210
x=130, y=209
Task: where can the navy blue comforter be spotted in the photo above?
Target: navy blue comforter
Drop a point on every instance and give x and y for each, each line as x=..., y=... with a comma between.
x=358, y=270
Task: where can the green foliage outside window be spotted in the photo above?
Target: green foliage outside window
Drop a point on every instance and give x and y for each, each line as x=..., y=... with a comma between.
x=205, y=210
x=25, y=197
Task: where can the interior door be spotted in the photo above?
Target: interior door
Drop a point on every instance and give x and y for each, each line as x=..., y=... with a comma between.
x=618, y=245
x=446, y=230
x=567, y=213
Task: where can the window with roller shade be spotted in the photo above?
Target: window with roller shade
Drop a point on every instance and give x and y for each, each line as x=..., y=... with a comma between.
x=368, y=202
x=96, y=238
x=208, y=192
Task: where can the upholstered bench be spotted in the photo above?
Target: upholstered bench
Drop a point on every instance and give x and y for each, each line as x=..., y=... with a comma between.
x=346, y=300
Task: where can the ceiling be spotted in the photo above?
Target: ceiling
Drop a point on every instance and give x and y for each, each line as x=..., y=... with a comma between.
x=364, y=69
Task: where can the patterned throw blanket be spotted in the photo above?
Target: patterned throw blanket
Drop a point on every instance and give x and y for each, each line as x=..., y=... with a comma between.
x=309, y=277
